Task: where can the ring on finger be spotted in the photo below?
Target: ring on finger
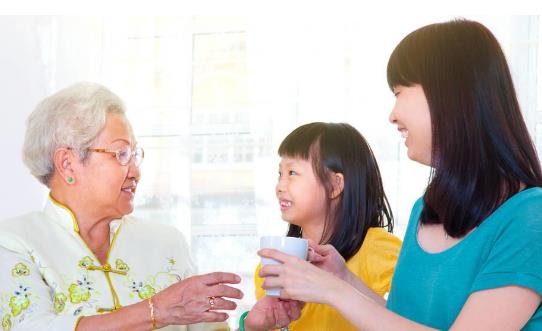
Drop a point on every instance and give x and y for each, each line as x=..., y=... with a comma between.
x=212, y=302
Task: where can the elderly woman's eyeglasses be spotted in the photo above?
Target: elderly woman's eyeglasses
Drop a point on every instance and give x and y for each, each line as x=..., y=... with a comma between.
x=124, y=155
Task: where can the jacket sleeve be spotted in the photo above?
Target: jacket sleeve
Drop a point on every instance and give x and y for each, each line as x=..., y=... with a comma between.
x=26, y=300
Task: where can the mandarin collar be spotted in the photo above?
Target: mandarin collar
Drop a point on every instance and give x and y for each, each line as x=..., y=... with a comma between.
x=63, y=216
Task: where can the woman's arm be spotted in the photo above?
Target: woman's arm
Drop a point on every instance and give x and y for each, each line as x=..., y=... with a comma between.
x=365, y=313
x=302, y=281
x=327, y=258
x=185, y=302
x=134, y=317
x=505, y=308
x=355, y=282
x=30, y=306
x=26, y=302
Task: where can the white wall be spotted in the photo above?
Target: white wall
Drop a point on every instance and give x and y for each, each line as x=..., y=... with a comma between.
x=23, y=82
x=42, y=54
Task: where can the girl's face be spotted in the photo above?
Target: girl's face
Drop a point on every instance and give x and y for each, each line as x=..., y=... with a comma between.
x=413, y=120
x=301, y=197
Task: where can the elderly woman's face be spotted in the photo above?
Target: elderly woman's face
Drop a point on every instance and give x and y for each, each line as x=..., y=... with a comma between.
x=109, y=186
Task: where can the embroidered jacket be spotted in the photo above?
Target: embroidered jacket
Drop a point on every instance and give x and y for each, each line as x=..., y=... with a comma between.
x=49, y=278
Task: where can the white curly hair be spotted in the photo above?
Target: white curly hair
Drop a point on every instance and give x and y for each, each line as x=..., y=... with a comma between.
x=72, y=117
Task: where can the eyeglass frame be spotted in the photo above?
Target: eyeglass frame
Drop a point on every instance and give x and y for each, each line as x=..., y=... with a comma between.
x=116, y=154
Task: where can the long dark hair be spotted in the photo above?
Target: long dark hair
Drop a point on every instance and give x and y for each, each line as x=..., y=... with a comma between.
x=340, y=148
x=481, y=149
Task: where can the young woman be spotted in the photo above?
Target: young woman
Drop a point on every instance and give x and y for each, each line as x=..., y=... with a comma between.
x=471, y=255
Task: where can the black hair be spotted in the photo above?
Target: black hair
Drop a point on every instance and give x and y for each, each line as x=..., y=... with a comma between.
x=340, y=148
x=482, y=153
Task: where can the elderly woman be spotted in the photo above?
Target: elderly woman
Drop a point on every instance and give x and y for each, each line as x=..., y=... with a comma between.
x=82, y=263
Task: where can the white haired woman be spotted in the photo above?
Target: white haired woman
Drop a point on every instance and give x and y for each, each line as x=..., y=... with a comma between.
x=81, y=263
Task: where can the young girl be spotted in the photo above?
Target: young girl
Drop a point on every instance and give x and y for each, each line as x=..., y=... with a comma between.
x=471, y=255
x=330, y=191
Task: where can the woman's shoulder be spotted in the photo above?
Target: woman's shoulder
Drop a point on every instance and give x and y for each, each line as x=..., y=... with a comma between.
x=530, y=200
x=21, y=222
x=16, y=230
x=521, y=214
x=522, y=209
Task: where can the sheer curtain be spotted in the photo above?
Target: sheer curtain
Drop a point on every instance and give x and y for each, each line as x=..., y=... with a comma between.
x=211, y=98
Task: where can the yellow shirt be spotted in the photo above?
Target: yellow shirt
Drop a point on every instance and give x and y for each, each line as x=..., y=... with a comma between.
x=374, y=264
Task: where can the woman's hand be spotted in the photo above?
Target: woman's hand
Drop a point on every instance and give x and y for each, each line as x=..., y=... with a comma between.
x=299, y=279
x=272, y=313
x=327, y=258
x=196, y=299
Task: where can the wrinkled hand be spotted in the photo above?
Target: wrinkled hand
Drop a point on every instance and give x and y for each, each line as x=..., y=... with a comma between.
x=272, y=313
x=326, y=257
x=187, y=301
x=298, y=279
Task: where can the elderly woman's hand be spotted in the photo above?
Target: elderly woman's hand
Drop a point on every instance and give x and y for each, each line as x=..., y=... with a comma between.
x=197, y=299
x=272, y=313
x=298, y=279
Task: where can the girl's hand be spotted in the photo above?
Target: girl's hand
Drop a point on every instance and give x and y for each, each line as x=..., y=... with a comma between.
x=272, y=313
x=298, y=279
x=189, y=300
x=327, y=258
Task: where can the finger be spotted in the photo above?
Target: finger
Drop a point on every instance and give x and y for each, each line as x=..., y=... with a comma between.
x=294, y=310
x=220, y=277
x=222, y=290
x=281, y=316
x=275, y=255
x=270, y=270
x=312, y=243
x=212, y=316
x=323, y=249
x=223, y=304
x=284, y=295
x=269, y=317
x=315, y=257
x=271, y=282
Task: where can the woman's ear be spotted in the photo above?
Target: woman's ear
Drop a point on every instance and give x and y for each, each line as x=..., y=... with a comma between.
x=337, y=181
x=63, y=158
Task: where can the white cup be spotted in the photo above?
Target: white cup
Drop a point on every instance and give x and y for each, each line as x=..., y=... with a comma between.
x=288, y=245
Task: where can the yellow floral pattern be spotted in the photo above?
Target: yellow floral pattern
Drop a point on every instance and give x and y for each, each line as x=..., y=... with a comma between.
x=144, y=291
x=6, y=323
x=80, y=290
x=85, y=262
x=19, y=301
x=20, y=270
x=59, y=302
x=121, y=266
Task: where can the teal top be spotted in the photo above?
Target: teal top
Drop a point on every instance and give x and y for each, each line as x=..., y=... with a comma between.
x=505, y=250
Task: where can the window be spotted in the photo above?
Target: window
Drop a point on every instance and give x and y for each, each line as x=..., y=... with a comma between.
x=211, y=98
